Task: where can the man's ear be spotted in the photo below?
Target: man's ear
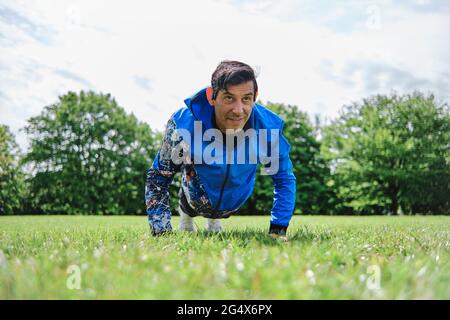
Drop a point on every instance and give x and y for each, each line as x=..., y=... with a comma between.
x=256, y=95
x=209, y=94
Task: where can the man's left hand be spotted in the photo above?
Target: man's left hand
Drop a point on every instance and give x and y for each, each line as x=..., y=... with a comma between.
x=280, y=237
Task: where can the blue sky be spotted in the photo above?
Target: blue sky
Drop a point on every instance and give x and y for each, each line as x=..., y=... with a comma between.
x=150, y=55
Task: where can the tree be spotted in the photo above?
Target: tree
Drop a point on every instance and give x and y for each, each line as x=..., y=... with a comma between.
x=391, y=154
x=88, y=156
x=310, y=169
x=11, y=176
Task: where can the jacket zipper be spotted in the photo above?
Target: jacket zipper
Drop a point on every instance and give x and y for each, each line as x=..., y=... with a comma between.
x=226, y=177
x=223, y=186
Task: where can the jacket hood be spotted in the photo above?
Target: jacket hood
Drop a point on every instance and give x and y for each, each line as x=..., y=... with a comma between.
x=201, y=109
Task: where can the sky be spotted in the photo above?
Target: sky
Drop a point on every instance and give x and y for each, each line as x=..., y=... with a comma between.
x=151, y=55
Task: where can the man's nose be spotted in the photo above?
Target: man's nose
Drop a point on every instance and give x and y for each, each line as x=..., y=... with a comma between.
x=238, y=108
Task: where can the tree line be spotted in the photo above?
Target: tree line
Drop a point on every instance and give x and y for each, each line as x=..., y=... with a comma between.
x=387, y=154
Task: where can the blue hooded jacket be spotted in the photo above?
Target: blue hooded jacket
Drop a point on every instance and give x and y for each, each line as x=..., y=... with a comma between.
x=226, y=185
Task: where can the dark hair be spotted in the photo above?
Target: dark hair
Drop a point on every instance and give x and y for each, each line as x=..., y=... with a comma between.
x=232, y=73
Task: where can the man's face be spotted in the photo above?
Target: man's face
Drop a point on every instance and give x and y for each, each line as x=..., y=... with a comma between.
x=233, y=107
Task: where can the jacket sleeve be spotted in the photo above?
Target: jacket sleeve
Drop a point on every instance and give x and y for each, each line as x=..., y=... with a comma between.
x=284, y=189
x=159, y=178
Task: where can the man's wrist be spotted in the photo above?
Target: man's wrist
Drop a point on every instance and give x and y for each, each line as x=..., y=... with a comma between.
x=277, y=229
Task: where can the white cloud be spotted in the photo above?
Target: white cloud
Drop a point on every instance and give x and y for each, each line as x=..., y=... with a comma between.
x=175, y=45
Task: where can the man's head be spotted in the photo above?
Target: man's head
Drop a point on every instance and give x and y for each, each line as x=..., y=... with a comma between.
x=232, y=93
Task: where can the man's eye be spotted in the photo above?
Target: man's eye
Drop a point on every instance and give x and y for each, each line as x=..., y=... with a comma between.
x=246, y=98
x=228, y=98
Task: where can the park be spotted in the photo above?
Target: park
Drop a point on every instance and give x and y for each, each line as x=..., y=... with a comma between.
x=120, y=177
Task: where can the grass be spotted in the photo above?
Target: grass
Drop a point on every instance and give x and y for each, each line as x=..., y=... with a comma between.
x=46, y=257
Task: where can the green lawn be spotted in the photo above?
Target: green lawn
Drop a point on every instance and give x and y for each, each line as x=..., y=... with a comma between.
x=47, y=257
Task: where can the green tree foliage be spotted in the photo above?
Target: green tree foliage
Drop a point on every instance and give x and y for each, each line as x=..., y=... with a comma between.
x=310, y=169
x=88, y=157
x=391, y=154
x=11, y=176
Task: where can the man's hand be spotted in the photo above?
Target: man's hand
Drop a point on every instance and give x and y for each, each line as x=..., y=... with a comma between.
x=278, y=232
x=279, y=237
